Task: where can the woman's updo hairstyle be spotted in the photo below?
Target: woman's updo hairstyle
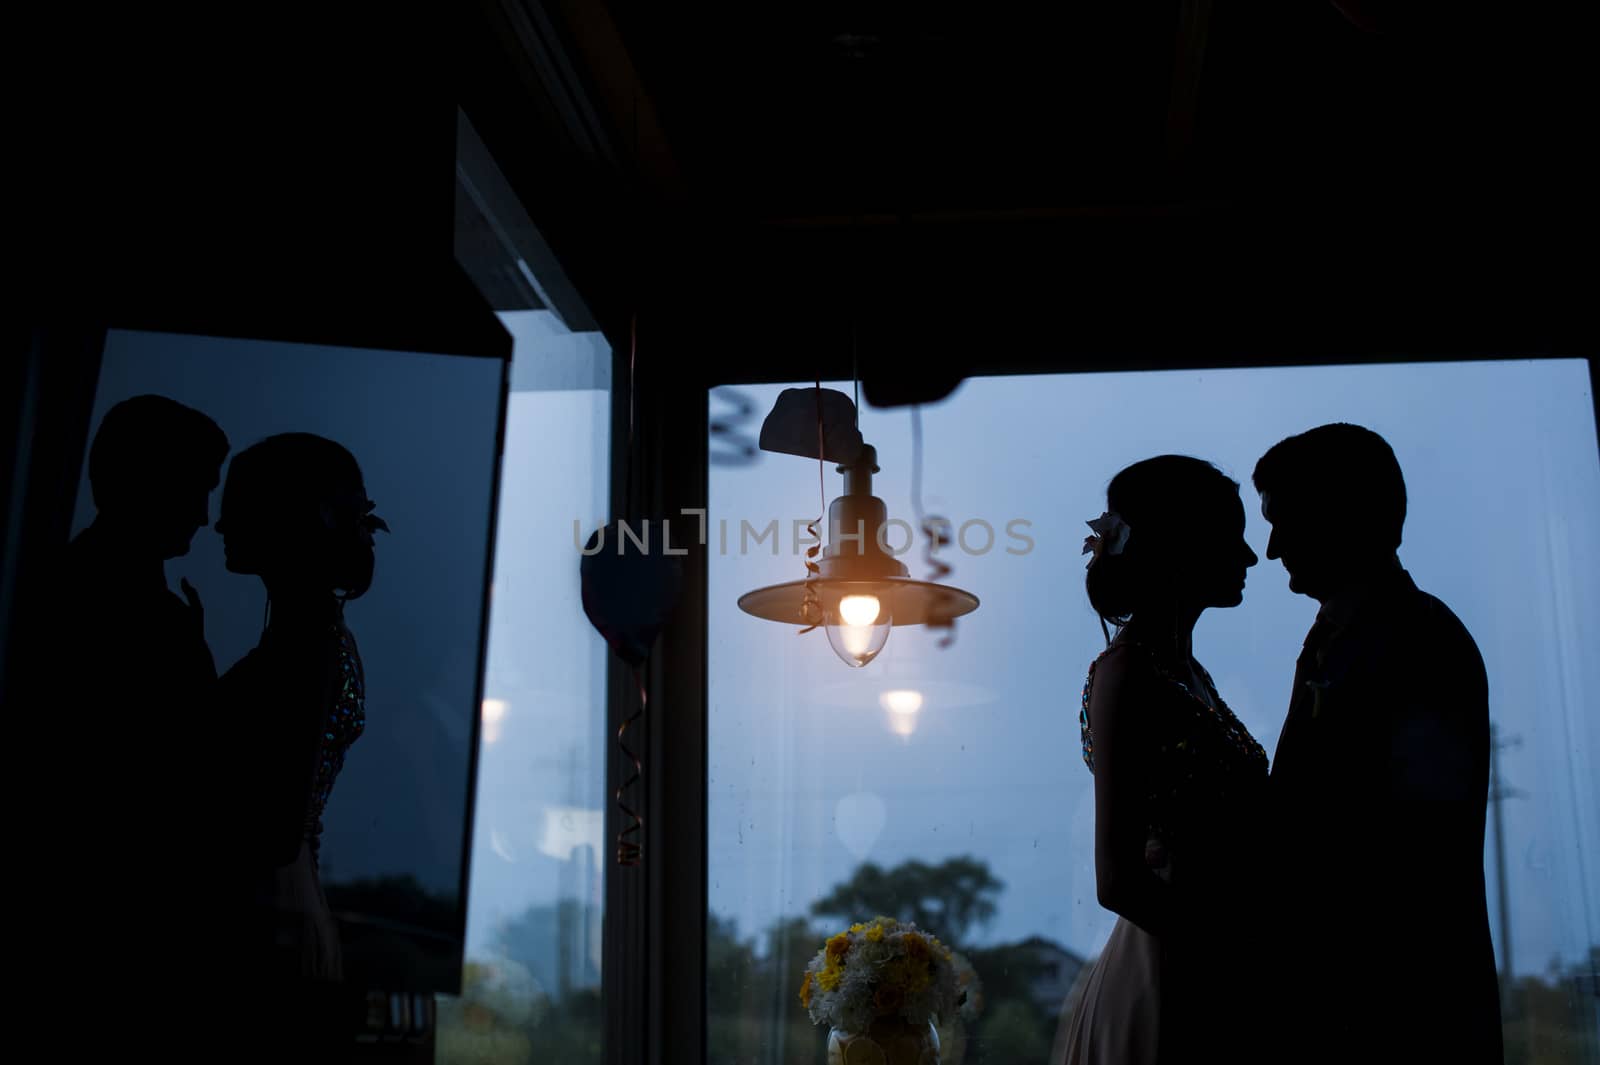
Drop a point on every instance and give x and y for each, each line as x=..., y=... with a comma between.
x=311, y=489
x=1164, y=501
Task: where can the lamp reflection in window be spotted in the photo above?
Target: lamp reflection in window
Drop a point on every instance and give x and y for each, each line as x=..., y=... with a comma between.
x=494, y=711
x=902, y=705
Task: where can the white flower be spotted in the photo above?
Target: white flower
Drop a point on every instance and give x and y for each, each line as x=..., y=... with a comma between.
x=1110, y=535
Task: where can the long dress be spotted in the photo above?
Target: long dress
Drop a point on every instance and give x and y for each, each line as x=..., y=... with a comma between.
x=1149, y=998
x=299, y=703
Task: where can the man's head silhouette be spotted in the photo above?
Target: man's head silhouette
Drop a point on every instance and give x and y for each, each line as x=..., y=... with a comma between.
x=152, y=468
x=1336, y=500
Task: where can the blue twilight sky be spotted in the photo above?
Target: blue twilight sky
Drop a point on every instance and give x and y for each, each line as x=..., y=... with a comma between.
x=807, y=778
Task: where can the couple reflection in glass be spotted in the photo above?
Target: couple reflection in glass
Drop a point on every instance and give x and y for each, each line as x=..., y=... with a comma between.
x=1332, y=908
x=239, y=769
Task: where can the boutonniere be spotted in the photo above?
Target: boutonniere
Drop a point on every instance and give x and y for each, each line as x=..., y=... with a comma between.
x=1319, y=695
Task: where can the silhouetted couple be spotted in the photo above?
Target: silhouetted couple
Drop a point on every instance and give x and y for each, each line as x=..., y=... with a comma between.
x=206, y=795
x=1331, y=910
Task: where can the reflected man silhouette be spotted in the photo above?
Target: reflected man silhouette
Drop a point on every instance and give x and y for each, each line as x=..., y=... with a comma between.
x=129, y=670
x=1380, y=779
x=152, y=468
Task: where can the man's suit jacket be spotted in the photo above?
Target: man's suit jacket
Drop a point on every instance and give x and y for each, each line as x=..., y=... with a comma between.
x=1379, y=787
x=130, y=695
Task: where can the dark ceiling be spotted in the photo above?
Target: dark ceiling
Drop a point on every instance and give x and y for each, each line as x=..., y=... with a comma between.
x=828, y=110
x=1229, y=181
x=792, y=111
x=995, y=186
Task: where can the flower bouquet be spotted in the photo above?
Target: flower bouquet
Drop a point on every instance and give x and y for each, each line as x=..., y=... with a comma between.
x=969, y=996
x=882, y=987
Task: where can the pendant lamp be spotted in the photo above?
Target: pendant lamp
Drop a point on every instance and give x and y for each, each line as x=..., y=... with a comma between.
x=860, y=590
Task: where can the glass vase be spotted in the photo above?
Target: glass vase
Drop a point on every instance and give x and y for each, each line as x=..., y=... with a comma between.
x=889, y=1041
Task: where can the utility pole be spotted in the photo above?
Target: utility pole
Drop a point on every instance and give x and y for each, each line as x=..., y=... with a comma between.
x=1499, y=791
x=569, y=905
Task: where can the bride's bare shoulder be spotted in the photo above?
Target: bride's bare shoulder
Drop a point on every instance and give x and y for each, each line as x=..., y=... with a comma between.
x=1121, y=669
x=1118, y=660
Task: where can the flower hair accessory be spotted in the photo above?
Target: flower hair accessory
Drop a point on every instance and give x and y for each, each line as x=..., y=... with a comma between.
x=353, y=510
x=1109, y=537
x=370, y=521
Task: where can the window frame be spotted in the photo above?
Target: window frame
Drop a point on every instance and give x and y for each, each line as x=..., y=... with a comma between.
x=682, y=671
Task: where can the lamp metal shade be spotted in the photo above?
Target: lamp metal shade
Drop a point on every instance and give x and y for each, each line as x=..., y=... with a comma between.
x=906, y=601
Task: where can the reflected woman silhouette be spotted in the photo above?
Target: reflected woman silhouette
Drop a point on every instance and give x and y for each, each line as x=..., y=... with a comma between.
x=1177, y=778
x=295, y=513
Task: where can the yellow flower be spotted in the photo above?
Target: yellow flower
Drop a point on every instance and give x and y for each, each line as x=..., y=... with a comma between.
x=805, y=991
x=829, y=978
x=838, y=946
x=906, y=975
x=916, y=947
x=858, y=928
x=875, y=933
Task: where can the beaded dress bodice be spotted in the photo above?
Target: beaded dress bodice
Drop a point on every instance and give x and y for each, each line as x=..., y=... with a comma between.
x=1200, y=760
x=297, y=702
x=342, y=725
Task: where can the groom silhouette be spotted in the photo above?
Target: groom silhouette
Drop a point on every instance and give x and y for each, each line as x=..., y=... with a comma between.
x=126, y=683
x=1379, y=782
x=152, y=467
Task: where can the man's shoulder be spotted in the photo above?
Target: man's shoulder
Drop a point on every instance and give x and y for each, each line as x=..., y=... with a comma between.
x=1440, y=642
x=1433, y=617
x=1408, y=628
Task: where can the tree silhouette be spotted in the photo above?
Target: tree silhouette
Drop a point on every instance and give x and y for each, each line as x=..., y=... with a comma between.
x=401, y=899
x=550, y=940
x=947, y=900
x=1553, y=1019
x=392, y=928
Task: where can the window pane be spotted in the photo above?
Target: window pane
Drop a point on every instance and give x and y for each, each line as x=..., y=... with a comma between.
x=531, y=987
x=531, y=990
x=814, y=774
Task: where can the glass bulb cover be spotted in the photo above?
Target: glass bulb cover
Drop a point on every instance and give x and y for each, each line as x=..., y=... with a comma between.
x=856, y=645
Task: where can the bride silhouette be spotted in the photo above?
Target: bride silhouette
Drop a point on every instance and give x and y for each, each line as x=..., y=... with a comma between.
x=294, y=513
x=1176, y=775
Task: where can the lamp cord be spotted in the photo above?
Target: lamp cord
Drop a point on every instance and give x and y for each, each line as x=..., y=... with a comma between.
x=855, y=373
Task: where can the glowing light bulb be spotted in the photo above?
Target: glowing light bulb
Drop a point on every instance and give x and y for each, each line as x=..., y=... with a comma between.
x=858, y=630
x=859, y=609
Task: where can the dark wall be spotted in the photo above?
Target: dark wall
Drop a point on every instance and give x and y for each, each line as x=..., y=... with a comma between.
x=274, y=173
x=215, y=163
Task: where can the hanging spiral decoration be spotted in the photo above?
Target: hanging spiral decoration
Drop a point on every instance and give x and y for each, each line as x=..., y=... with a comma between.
x=936, y=532
x=811, y=612
x=729, y=445
x=630, y=851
